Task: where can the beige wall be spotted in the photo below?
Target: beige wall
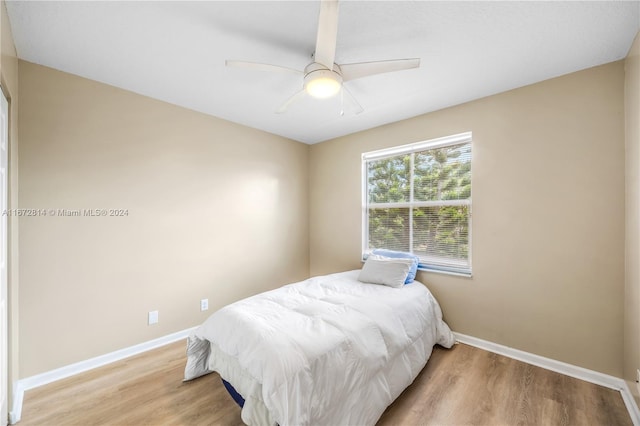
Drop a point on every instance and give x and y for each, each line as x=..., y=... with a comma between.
x=548, y=215
x=9, y=81
x=632, y=234
x=216, y=210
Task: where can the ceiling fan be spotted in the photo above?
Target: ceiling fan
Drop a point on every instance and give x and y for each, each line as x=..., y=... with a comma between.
x=323, y=78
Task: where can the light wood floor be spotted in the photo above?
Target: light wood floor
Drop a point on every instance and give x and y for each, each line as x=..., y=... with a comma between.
x=459, y=386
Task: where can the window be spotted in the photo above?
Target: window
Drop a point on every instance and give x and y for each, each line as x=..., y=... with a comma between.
x=417, y=198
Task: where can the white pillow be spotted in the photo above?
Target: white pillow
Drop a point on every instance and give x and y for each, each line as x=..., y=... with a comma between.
x=385, y=271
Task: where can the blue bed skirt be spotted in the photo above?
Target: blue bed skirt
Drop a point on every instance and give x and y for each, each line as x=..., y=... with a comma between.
x=234, y=394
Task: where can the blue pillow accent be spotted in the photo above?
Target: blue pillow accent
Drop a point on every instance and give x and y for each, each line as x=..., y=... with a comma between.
x=402, y=255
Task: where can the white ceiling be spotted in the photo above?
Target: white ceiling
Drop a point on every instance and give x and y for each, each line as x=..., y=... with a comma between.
x=176, y=52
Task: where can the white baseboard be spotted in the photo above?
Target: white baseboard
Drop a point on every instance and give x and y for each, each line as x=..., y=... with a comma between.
x=559, y=367
x=22, y=385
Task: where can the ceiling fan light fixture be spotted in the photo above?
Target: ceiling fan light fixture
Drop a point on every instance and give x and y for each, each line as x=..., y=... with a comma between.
x=323, y=78
x=322, y=84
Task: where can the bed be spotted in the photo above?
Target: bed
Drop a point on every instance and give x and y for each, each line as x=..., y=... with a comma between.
x=329, y=350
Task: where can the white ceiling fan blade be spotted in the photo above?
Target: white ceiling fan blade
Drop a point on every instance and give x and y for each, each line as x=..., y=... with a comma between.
x=327, y=33
x=364, y=69
x=352, y=99
x=261, y=67
x=290, y=101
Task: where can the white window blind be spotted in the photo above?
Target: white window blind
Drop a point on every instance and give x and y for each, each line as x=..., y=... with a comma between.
x=417, y=198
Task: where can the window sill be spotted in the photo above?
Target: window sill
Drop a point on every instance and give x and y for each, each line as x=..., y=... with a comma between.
x=455, y=274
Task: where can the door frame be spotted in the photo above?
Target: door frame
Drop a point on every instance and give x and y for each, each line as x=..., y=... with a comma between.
x=4, y=247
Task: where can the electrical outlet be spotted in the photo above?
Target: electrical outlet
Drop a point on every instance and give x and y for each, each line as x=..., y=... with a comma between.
x=204, y=304
x=153, y=317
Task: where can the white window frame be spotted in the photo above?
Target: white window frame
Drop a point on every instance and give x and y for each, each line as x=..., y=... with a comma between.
x=408, y=149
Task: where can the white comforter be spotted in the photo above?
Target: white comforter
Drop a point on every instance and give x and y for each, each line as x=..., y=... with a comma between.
x=329, y=350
